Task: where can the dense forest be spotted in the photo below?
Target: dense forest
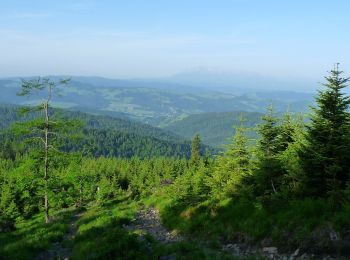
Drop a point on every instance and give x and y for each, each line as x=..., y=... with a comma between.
x=100, y=136
x=287, y=192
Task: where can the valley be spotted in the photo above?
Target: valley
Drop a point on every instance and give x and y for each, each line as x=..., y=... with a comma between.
x=174, y=107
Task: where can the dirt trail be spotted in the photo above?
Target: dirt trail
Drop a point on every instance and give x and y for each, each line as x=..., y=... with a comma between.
x=58, y=250
x=148, y=220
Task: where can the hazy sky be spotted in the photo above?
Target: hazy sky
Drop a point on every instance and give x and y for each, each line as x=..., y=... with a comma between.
x=154, y=38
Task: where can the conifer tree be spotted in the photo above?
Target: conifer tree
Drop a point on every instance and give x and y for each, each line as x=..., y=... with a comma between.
x=292, y=138
x=269, y=143
x=325, y=158
x=287, y=131
x=268, y=168
x=234, y=164
x=238, y=150
x=196, y=150
x=45, y=134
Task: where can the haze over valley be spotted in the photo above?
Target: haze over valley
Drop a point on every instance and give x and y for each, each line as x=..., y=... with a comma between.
x=164, y=104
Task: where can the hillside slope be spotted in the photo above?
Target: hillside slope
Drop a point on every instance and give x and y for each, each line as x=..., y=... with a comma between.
x=215, y=129
x=155, y=102
x=108, y=136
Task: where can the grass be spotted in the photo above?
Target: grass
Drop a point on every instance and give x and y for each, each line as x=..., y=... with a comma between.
x=101, y=236
x=34, y=236
x=303, y=223
x=101, y=233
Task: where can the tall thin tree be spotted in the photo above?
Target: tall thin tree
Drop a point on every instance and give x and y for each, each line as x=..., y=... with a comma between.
x=43, y=129
x=196, y=150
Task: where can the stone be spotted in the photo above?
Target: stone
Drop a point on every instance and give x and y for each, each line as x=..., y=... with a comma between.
x=270, y=250
x=334, y=236
x=296, y=252
x=229, y=246
x=168, y=257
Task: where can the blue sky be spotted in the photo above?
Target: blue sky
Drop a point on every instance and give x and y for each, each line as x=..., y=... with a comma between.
x=156, y=38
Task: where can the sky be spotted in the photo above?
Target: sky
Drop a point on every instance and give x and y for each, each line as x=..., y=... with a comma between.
x=158, y=38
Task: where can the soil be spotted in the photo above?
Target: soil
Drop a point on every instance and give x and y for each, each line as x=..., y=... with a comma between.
x=58, y=250
x=148, y=221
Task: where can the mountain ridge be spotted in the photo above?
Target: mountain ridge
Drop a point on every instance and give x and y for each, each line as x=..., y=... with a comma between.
x=157, y=103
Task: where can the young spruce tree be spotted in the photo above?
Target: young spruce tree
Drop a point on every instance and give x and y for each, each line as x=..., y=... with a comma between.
x=196, y=150
x=325, y=158
x=45, y=134
x=234, y=165
x=268, y=168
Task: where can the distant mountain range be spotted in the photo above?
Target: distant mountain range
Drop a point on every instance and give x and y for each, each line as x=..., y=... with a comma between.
x=240, y=82
x=159, y=103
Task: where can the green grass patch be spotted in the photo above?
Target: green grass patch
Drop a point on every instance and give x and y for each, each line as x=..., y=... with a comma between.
x=288, y=225
x=34, y=236
x=101, y=234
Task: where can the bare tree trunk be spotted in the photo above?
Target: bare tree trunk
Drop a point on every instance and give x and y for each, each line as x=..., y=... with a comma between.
x=273, y=187
x=46, y=174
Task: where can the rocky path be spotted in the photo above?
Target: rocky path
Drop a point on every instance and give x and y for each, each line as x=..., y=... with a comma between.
x=148, y=220
x=58, y=250
x=243, y=251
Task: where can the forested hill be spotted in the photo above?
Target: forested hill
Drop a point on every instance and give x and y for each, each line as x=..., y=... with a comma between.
x=215, y=129
x=155, y=102
x=9, y=114
x=108, y=136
